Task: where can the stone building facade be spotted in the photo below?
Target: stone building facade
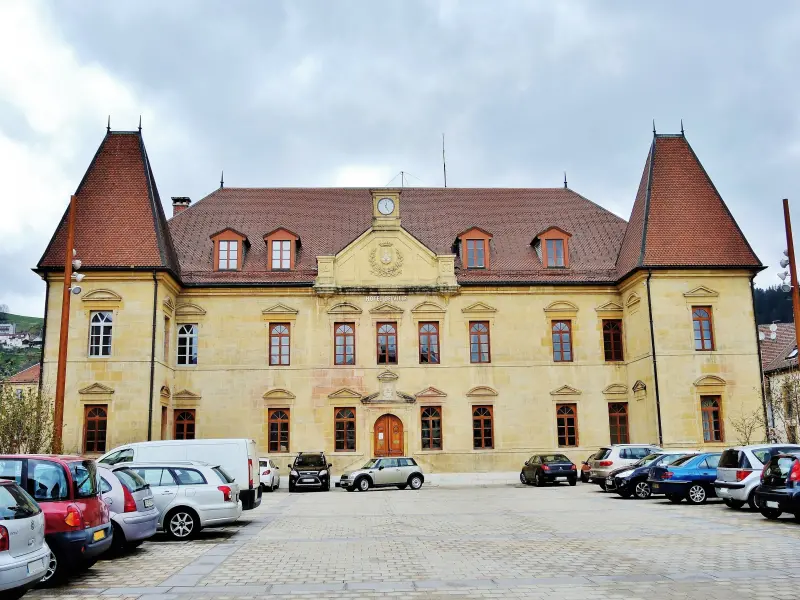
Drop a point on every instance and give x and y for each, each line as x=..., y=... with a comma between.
x=468, y=328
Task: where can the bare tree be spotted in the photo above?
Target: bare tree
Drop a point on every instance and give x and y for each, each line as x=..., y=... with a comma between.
x=749, y=427
x=783, y=406
x=26, y=423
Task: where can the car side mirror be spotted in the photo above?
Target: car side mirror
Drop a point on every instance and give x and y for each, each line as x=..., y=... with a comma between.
x=330, y=465
x=277, y=468
x=380, y=468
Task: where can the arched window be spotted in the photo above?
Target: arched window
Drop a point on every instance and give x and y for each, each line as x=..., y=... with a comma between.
x=100, y=333
x=279, y=430
x=612, y=339
x=431, y=428
x=345, y=344
x=562, y=341
x=387, y=343
x=479, y=350
x=279, y=344
x=187, y=345
x=482, y=427
x=345, y=429
x=94, y=429
x=184, y=425
x=712, y=423
x=703, y=328
x=567, y=424
x=618, y=422
x=429, y=343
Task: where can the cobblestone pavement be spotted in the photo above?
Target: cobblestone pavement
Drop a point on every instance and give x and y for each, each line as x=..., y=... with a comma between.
x=469, y=542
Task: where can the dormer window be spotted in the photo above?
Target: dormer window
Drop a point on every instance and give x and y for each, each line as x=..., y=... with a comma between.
x=552, y=247
x=282, y=246
x=555, y=253
x=229, y=250
x=474, y=248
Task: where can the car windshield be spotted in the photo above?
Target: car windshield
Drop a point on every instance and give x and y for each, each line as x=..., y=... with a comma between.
x=16, y=504
x=764, y=454
x=646, y=460
x=682, y=460
x=313, y=461
x=554, y=458
x=670, y=459
x=84, y=478
x=370, y=463
x=602, y=453
x=131, y=480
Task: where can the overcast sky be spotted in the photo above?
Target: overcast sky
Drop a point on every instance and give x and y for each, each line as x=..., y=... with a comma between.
x=328, y=93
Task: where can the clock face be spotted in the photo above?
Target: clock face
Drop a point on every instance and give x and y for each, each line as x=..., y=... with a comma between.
x=385, y=206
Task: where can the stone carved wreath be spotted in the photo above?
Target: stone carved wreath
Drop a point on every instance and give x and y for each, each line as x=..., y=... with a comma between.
x=385, y=270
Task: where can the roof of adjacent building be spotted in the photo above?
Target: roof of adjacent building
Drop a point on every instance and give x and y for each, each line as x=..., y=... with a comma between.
x=775, y=354
x=29, y=375
x=678, y=219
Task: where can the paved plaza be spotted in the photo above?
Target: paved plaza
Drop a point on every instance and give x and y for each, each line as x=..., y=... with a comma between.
x=493, y=541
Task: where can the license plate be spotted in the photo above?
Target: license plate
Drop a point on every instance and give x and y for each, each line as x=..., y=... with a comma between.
x=148, y=502
x=37, y=566
x=306, y=480
x=771, y=504
x=609, y=481
x=99, y=534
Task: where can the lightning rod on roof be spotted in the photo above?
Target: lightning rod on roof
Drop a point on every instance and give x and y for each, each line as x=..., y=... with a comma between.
x=682, y=132
x=654, y=126
x=140, y=123
x=565, y=180
x=444, y=163
x=222, y=179
x=108, y=127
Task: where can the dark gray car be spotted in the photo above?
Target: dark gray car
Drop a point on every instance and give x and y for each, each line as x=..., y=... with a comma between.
x=130, y=501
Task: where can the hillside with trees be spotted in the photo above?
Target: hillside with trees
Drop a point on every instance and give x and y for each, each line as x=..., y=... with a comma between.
x=13, y=360
x=773, y=305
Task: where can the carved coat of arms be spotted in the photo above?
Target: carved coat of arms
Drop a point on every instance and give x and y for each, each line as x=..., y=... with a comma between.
x=386, y=260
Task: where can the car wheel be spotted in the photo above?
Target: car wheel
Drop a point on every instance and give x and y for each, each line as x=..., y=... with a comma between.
x=415, y=481
x=733, y=503
x=118, y=540
x=54, y=573
x=642, y=490
x=363, y=484
x=697, y=494
x=539, y=479
x=573, y=481
x=771, y=513
x=674, y=499
x=292, y=489
x=522, y=479
x=182, y=524
x=753, y=500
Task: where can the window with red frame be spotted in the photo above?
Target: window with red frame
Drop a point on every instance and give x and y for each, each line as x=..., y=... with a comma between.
x=612, y=339
x=344, y=335
x=567, y=424
x=618, y=422
x=479, y=348
x=279, y=344
x=94, y=429
x=278, y=423
x=184, y=424
x=703, y=328
x=429, y=343
x=562, y=341
x=476, y=254
x=387, y=343
x=712, y=420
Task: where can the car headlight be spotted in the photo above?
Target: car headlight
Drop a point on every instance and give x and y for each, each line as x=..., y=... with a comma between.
x=323, y=473
x=293, y=473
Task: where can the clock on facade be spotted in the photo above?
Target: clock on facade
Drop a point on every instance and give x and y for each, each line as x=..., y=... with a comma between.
x=385, y=206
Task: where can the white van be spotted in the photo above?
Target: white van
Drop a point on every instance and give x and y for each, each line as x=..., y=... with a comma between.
x=238, y=457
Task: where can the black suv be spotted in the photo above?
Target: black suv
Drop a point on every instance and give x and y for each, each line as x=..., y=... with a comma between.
x=310, y=471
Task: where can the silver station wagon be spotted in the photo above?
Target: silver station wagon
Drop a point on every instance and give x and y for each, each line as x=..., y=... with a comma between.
x=401, y=472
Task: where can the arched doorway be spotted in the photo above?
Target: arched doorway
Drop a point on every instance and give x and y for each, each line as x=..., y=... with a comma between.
x=388, y=436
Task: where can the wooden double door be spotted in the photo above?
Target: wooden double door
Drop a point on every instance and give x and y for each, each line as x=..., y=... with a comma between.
x=388, y=436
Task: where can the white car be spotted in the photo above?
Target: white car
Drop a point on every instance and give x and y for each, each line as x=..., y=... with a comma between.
x=190, y=496
x=610, y=458
x=270, y=474
x=24, y=555
x=739, y=472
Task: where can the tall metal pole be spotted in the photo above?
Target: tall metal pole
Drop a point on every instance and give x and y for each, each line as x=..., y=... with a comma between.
x=63, y=337
x=792, y=270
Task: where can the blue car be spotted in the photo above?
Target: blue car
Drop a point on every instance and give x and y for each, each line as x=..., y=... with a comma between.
x=691, y=477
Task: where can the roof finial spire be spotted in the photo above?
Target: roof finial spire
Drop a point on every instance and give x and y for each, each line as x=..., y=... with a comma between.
x=565, y=180
x=222, y=179
x=682, y=132
x=108, y=127
x=140, y=123
x=654, y=126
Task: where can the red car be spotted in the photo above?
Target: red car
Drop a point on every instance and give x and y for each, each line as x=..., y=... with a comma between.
x=77, y=524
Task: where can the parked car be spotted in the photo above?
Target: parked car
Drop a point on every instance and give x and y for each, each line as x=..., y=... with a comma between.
x=586, y=468
x=779, y=491
x=237, y=456
x=24, y=555
x=77, y=525
x=691, y=477
x=130, y=502
x=190, y=496
x=270, y=475
x=612, y=457
x=548, y=468
x=310, y=471
x=739, y=472
x=400, y=472
x=632, y=480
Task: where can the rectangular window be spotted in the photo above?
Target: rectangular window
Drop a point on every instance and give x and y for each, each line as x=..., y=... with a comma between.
x=618, y=422
x=431, y=427
x=344, y=335
x=567, y=424
x=712, y=421
x=228, y=255
x=476, y=253
x=429, y=343
x=387, y=343
x=612, y=339
x=482, y=427
x=167, y=333
x=184, y=424
x=187, y=344
x=562, y=341
x=479, y=350
x=94, y=428
x=703, y=328
x=281, y=254
x=100, y=328
x=555, y=253
x=279, y=344
x=344, y=423
x=279, y=430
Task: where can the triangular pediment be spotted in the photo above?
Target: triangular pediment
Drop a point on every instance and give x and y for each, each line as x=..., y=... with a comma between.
x=279, y=309
x=96, y=388
x=639, y=386
x=709, y=380
x=609, y=307
x=565, y=390
x=385, y=308
x=701, y=292
x=616, y=388
x=561, y=306
x=426, y=308
x=482, y=391
x=345, y=394
x=102, y=296
x=189, y=310
x=431, y=392
x=278, y=394
x=344, y=308
x=388, y=376
x=479, y=308
x=633, y=300
x=186, y=395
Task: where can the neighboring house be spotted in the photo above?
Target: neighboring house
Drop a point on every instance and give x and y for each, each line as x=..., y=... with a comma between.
x=19, y=340
x=781, y=382
x=8, y=329
x=27, y=379
x=467, y=327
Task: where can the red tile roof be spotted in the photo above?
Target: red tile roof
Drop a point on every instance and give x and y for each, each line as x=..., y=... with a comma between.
x=29, y=375
x=679, y=218
x=119, y=218
x=771, y=349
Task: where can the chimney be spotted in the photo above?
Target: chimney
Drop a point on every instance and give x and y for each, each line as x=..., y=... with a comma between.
x=180, y=204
